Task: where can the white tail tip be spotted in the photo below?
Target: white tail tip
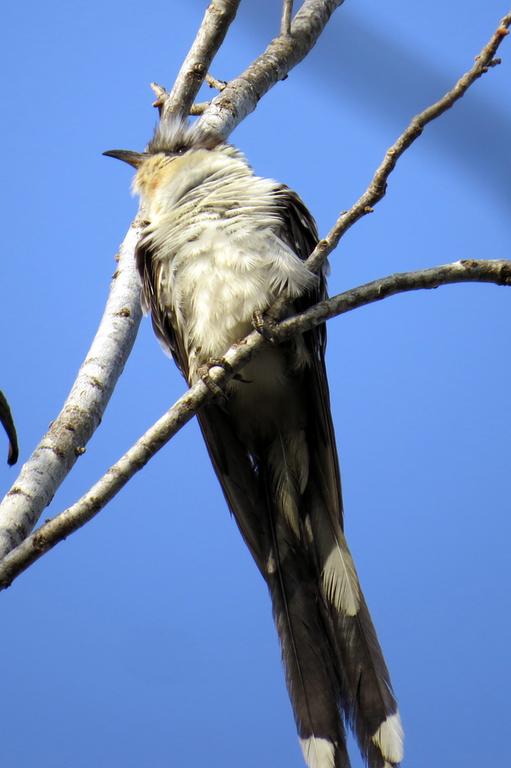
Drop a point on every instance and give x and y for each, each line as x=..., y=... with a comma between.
x=318, y=753
x=389, y=739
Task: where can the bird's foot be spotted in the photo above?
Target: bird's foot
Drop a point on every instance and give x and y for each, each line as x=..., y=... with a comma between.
x=204, y=375
x=265, y=325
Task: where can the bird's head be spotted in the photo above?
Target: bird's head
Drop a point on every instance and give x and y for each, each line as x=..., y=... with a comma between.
x=176, y=145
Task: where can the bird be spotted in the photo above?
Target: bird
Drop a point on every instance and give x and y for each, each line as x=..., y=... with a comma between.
x=219, y=246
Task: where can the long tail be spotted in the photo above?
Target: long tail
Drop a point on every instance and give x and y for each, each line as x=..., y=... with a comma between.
x=334, y=665
x=287, y=505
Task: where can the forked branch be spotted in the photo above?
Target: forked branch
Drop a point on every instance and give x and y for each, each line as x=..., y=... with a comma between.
x=72, y=428
x=70, y=431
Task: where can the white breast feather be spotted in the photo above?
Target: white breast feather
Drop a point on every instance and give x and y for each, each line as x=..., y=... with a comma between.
x=221, y=255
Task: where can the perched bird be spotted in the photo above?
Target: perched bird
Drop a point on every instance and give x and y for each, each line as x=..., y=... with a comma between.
x=219, y=246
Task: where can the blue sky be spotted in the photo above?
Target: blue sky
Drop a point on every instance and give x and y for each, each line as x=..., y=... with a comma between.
x=146, y=639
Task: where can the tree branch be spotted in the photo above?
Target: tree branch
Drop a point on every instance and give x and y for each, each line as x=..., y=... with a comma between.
x=241, y=95
x=58, y=450
x=55, y=530
x=378, y=186
x=464, y=271
x=69, y=432
x=287, y=11
x=217, y=19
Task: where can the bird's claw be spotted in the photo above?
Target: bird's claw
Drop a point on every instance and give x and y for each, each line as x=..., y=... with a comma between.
x=204, y=375
x=265, y=325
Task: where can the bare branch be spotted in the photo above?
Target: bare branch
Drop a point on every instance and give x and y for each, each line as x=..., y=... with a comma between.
x=213, y=82
x=285, y=24
x=53, y=531
x=241, y=95
x=378, y=186
x=58, y=450
x=161, y=94
x=57, y=529
x=199, y=107
x=465, y=271
x=211, y=34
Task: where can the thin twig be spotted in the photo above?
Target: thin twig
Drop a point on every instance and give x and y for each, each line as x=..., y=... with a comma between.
x=69, y=521
x=287, y=11
x=199, y=107
x=465, y=271
x=161, y=94
x=213, y=82
x=378, y=186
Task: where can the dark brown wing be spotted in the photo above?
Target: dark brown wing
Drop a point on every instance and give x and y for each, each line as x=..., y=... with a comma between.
x=240, y=484
x=300, y=233
x=162, y=317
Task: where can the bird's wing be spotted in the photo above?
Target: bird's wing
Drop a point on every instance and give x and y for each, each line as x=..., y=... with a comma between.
x=299, y=232
x=162, y=317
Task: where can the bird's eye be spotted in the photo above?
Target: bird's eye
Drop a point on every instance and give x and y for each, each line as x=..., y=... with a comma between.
x=179, y=150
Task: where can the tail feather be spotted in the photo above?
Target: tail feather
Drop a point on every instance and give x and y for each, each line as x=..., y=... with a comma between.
x=307, y=654
x=286, y=499
x=310, y=676
x=339, y=581
x=369, y=703
x=321, y=753
x=367, y=699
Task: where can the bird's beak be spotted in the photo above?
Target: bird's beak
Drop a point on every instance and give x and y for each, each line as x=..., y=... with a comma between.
x=127, y=156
